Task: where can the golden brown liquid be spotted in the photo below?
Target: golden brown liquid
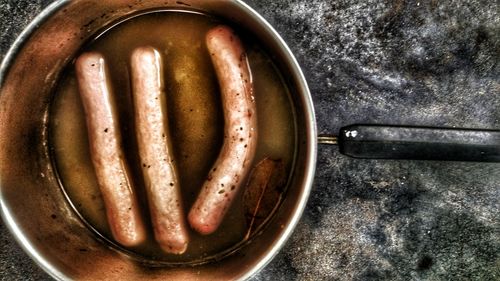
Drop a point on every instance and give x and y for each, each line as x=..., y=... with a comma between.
x=195, y=119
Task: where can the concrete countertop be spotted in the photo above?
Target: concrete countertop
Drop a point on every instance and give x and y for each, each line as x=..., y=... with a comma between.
x=430, y=63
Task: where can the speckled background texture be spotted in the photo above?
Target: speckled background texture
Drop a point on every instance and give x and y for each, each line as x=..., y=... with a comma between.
x=432, y=63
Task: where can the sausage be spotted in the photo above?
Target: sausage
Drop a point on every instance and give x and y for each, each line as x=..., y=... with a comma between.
x=106, y=150
x=155, y=151
x=240, y=131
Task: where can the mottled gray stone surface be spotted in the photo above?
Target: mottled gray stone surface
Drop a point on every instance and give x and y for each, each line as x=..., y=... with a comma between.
x=434, y=63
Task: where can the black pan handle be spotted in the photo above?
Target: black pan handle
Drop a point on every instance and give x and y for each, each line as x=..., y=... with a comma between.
x=419, y=143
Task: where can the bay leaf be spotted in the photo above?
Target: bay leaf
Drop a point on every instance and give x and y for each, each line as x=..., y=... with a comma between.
x=263, y=192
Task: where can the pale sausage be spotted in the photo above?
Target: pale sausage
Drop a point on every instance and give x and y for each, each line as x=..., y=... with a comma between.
x=155, y=151
x=106, y=150
x=240, y=132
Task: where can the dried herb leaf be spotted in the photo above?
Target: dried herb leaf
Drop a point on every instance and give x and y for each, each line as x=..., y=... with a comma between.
x=263, y=192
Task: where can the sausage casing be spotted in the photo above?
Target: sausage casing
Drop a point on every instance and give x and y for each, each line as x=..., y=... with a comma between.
x=155, y=151
x=106, y=150
x=240, y=131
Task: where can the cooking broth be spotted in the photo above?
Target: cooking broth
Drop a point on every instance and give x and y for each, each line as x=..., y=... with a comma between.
x=195, y=119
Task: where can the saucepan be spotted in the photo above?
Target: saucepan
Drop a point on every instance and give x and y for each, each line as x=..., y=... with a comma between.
x=36, y=210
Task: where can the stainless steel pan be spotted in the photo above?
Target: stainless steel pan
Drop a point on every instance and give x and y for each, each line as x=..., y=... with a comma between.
x=33, y=206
